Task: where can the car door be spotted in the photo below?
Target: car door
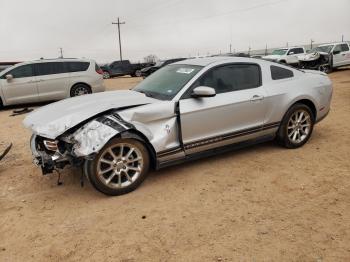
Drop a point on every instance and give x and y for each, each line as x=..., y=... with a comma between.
x=235, y=114
x=341, y=55
x=53, y=80
x=116, y=69
x=22, y=88
x=292, y=56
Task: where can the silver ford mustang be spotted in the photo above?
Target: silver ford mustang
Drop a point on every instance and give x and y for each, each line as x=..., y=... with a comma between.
x=184, y=111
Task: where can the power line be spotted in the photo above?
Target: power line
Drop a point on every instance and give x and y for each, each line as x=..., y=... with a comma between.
x=215, y=15
x=120, y=43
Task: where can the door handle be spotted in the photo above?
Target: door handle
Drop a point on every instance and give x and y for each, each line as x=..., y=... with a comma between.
x=256, y=98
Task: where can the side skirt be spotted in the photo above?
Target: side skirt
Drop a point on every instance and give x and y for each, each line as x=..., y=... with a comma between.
x=214, y=151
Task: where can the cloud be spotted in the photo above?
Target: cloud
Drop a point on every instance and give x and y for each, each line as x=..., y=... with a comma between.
x=33, y=29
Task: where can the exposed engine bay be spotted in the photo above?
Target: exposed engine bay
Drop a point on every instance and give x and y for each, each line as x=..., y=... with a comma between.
x=317, y=61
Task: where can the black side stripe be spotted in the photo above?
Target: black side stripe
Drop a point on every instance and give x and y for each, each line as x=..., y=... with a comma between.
x=215, y=139
x=244, y=132
x=170, y=151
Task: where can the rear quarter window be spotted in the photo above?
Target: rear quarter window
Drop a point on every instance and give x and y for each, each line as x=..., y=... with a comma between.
x=78, y=66
x=278, y=73
x=50, y=68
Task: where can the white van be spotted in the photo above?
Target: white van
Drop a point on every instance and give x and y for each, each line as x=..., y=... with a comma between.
x=48, y=80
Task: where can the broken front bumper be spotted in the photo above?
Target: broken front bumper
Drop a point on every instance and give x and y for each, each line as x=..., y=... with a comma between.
x=48, y=162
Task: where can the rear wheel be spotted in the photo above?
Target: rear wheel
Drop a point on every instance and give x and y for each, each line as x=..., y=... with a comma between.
x=120, y=167
x=138, y=73
x=80, y=89
x=296, y=127
x=106, y=75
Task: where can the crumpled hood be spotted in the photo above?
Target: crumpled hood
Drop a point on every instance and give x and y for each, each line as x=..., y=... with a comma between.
x=53, y=120
x=311, y=56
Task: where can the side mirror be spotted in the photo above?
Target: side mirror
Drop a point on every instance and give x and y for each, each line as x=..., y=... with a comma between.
x=336, y=52
x=291, y=53
x=203, y=91
x=9, y=77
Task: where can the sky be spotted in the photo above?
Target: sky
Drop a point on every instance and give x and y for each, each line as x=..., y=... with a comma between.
x=172, y=28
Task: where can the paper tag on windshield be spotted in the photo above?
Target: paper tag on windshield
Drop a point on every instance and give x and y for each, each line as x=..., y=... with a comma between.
x=185, y=70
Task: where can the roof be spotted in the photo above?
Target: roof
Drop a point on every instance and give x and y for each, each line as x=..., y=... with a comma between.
x=54, y=60
x=209, y=60
x=337, y=43
x=58, y=59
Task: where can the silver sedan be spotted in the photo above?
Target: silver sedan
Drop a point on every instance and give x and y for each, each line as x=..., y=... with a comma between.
x=184, y=111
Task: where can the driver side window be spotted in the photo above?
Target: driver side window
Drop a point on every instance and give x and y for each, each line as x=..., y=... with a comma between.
x=229, y=78
x=337, y=48
x=21, y=71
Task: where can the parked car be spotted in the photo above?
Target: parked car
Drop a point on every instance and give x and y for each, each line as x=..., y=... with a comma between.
x=122, y=68
x=286, y=55
x=185, y=110
x=326, y=57
x=151, y=69
x=48, y=80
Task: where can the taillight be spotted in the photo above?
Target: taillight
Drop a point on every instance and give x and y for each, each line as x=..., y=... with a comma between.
x=98, y=69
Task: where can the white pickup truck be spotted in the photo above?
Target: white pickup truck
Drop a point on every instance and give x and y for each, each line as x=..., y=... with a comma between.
x=286, y=55
x=326, y=57
x=340, y=51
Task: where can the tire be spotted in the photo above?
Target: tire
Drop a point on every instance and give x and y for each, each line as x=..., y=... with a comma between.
x=296, y=128
x=325, y=69
x=138, y=73
x=106, y=75
x=1, y=104
x=80, y=89
x=110, y=171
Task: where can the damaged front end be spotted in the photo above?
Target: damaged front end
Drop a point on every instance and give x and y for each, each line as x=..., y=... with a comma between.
x=316, y=61
x=73, y=147
x=50, y=154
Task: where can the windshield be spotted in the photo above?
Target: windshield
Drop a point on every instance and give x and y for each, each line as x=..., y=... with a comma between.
x=279, y=51
x=324, y=48
x=165, y=83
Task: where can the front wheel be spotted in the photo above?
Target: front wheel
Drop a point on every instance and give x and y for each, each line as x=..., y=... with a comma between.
x=325, y=69
x=119, y=168
x=296, y=127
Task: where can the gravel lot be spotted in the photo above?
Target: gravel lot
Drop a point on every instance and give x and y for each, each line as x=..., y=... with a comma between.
x=262, y=203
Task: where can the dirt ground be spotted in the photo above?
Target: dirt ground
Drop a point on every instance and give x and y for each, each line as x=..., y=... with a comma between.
x=262, y=203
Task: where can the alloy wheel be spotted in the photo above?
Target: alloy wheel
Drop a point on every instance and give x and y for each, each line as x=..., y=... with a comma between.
x=119, y=165
x=106, y=75
x=299, y=126
x=81, y=90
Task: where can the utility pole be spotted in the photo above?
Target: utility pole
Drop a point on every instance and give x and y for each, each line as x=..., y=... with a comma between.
x=249, y=50
x=287, y=44
x=266, y=49
x=120, y=43
x=61, y=51
x=311, y=41
x=230, y=48
x=342, y=38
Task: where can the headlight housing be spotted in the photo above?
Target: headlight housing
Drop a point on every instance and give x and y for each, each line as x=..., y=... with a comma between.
x=51, y=145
